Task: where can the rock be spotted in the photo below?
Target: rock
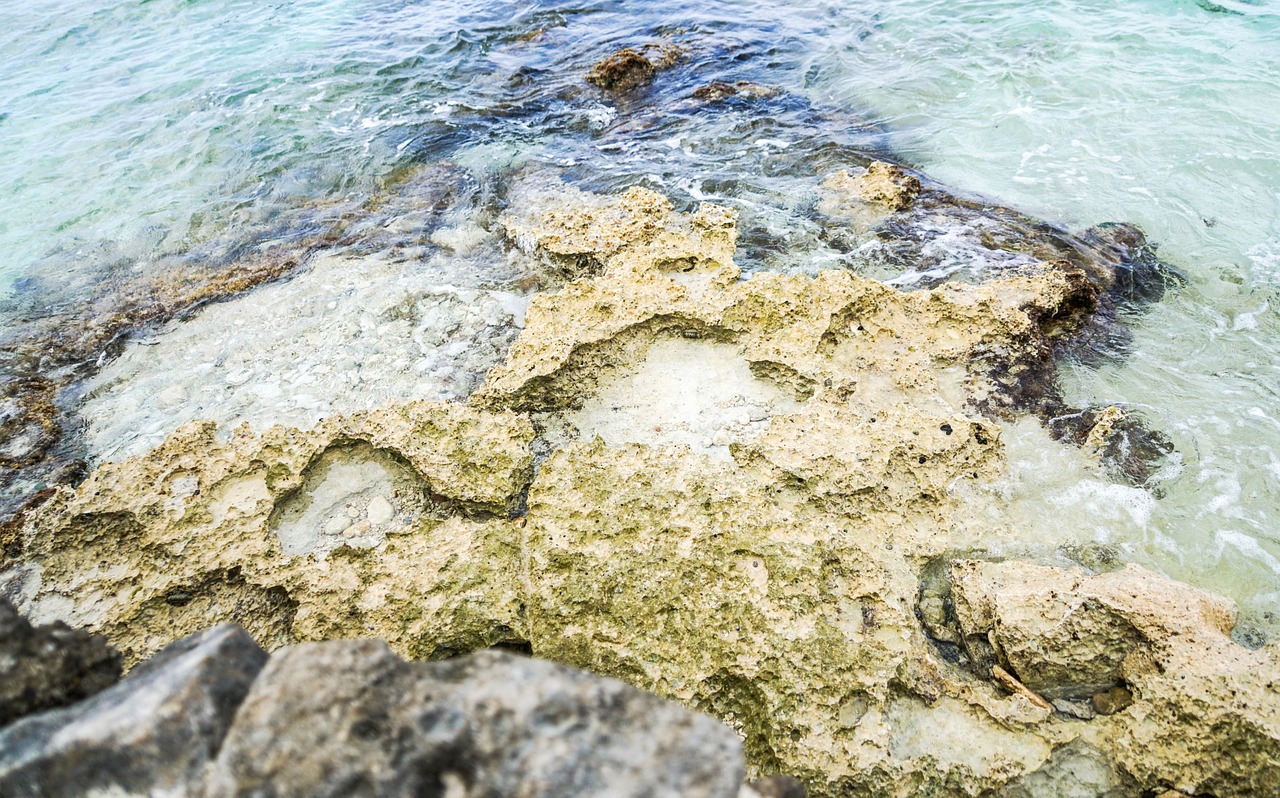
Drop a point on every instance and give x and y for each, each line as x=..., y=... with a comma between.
x=1129, y=448
x=777, y=787
x=880, y=183
x=151, y=734
x=765, y=571
x=719, y=91
x=628, y=69
x=49, y=666
x=1109, y=702
x=335, y=719
x=1184, y=698
x=625, y=69
x=1076, y=709
x=1057, y=641
x=263, y=555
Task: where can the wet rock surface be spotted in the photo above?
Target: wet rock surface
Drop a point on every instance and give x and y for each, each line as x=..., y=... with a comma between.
x=49, y=666
x=628, y=69
x=755, y=553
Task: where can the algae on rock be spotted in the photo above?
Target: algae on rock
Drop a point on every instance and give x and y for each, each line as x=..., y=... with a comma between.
x=754, y=550
x=155, y=547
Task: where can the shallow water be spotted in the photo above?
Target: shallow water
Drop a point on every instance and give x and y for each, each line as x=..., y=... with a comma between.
x=135, y=130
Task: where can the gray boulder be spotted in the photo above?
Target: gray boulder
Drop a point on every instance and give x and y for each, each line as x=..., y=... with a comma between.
x=153, y=733
x=352, y=718
x=49, y=666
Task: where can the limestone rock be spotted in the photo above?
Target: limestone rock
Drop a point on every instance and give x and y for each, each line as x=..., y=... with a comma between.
x=49, y=666
x=335, y=719
x=1200, y=713
x=879, y=184
x=747, y=538
x=152, y=733
x=274, y=532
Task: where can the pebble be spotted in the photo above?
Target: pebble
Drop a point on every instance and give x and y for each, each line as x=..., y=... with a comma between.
x=356, y=530
x=380, y=510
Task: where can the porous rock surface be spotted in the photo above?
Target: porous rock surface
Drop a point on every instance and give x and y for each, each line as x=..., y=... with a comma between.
x=156, y=547
x=754, y=552
x=1205, y=714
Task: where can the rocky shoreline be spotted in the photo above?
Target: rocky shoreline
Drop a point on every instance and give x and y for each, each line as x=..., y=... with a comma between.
x=760, y=496
x=214, y=715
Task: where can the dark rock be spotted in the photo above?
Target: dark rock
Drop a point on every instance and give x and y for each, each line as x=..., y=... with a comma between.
x=351, y=718
x=152, y=733
x=630, y=69
x=1109, y=702
x=49, y=666
x=1132, y=451
x=1137, y=275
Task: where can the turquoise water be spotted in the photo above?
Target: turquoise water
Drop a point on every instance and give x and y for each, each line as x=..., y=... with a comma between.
x=1161, y=113
x=131, y=130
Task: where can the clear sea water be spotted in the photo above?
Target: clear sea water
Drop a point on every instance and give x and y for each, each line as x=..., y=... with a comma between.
x=142, y=128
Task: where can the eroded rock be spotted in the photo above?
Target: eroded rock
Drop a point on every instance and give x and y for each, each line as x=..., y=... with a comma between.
x=629, y=69
x=337, y=718
x=766, y=570
x=204, y=529
x=1155, y=655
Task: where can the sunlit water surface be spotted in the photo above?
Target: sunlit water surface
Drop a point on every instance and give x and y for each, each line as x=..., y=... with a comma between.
x=131, y=130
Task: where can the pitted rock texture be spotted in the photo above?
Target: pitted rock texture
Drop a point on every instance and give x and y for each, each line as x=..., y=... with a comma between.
x=1205, y=712
x=202, y=532
x=756, y=554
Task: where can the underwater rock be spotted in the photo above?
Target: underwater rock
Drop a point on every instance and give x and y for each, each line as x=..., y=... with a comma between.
x=629, y=69
x=152, y=734
x=748, y=539
x=719, y=91
x=1130, y=449
x=49, y=666
x=55, y=334
x=350, y=333
x=334, y=718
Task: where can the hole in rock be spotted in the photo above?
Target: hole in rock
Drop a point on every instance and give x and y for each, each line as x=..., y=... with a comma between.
x=353, y=495
x=696, y=392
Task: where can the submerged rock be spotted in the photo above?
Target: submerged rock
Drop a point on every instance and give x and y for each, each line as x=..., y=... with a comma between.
x=747, y=538
x=629, y=69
